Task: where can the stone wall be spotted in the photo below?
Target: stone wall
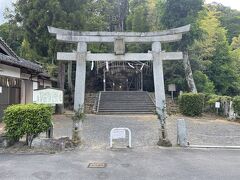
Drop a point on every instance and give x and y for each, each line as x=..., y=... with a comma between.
x=90, y=99
x=172, y=107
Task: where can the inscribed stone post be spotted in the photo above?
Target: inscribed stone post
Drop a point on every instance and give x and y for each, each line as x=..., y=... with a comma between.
x=80, y=76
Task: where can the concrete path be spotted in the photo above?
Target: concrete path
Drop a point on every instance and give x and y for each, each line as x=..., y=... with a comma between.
x=144, y=164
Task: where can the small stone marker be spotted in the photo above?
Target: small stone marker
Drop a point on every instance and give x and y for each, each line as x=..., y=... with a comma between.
x=181, y=133
x=232, y=114
x=120, y=133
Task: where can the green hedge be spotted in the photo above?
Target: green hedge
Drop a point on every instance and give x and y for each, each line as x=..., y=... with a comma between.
x=29, y=120
x=236, y=104
x=191, y=104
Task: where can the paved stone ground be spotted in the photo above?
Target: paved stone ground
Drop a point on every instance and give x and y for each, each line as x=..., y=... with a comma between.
x=206, y=130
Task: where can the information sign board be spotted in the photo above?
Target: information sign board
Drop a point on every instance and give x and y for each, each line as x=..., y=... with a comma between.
x=119, y=134
x=48, y=96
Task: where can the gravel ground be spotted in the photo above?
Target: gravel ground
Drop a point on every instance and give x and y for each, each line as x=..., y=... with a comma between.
x=96, y=129
x=206, y=130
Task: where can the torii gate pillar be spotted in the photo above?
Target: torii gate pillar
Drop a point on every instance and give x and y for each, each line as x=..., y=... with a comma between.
x=80, y=76
x=158, y=78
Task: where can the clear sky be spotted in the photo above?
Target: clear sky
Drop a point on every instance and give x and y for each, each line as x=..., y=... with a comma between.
x=234, y=4
x=3, y=5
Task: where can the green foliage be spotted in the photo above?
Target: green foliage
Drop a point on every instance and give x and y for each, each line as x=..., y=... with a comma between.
x=230, y=19
x=211, y=99
x=236, y=43
x=211, y=55
x=204, y=85
x=191, y=104
x=174, y=14
x=236, y=104
x=12, y=34
x=26, y=52
x=137, y=19
x=181, y=12
x=29, y=120
x=79, y=115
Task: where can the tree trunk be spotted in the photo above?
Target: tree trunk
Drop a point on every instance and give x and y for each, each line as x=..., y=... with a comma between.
x=61, y=80
x=188, y=73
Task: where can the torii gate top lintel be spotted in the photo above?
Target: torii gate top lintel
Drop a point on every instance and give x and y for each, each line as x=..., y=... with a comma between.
x=170, y=35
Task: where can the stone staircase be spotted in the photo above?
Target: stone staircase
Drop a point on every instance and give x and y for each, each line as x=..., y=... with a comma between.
x=125, y=102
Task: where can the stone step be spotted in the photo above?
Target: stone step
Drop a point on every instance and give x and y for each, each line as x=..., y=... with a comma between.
x=125, y=108
x=129, y=102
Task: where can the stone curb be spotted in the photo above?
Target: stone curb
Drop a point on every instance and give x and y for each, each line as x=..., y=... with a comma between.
x=213, y=147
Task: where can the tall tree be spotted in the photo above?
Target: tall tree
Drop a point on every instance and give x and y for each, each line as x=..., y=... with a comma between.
x=179, y=13
x=12, y=34
x=211, y=54
x=229, y=18
x=34, y=17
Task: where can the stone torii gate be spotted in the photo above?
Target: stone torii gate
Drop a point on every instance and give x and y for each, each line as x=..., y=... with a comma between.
x=119, y=39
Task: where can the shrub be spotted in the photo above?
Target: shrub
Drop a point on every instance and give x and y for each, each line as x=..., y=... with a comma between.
x=191, y=104
x=29, y=120
x=236, y=104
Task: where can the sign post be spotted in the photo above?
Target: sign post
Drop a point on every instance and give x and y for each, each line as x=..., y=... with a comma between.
x=217, y=106
x=172, y=88
x=120, y=133
x=48, y=96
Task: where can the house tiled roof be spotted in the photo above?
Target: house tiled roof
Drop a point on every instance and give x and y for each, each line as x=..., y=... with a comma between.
x=14, y=60
x=5, y=45
x=22, y=63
